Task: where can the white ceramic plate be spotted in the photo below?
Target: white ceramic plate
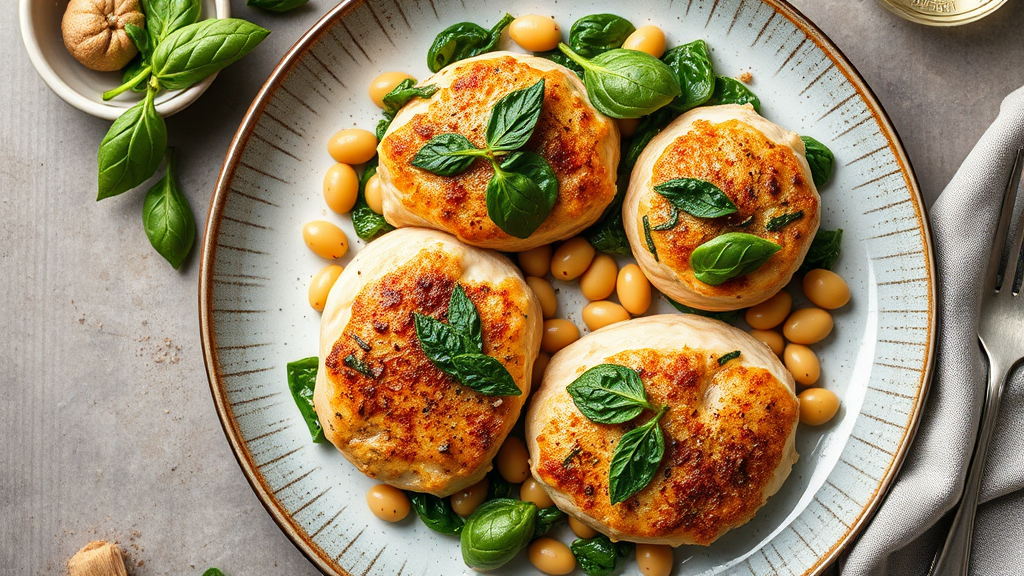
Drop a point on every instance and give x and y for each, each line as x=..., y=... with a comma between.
x=255, y=317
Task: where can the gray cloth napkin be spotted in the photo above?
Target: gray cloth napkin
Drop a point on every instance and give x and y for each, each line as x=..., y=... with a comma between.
x=912, y=521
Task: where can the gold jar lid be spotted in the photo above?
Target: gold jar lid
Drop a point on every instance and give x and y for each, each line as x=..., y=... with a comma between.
x=943, y=12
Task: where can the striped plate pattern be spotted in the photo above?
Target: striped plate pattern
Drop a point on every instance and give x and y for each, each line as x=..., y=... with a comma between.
x=256, y=268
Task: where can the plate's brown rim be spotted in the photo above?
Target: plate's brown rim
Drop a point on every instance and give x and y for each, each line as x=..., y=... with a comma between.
x=211, y=358
x=910, y=178
x=296, y=533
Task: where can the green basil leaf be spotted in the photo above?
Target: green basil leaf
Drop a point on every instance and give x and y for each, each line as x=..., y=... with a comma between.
x=132, y=149
x=649, y=239
x=517, y=203
x=537, y=169
x=824, y=250
x=692, y=66
x=608, y=234
x=497, y=486
x=382, y=126
x=669, y=224
x=727, y=317
x=514, y=117
x=496, y=532
x=463, y=316
x=626, y=83
x=360, y=366
x=546, y=520
x=167, y=217
x=436, y=513
x=213, y=572
x=367, y=223
x=301, y=382
x=779, y=222
x=649, y=127
x=440, y=342
x=729, y=256
x=609, y=394
x=820, y=158
x=276, y=5
x=598, y=33
x=484, y=374
x=140, y=38
x=190, y=54
x=635, y=459
x=464, y=40
x=697, y=197
x=599, y=556
x=732, y=91
x=405, y=91
x=445, y=155
x=727, y=357
x=166, y=16
x=559, y=58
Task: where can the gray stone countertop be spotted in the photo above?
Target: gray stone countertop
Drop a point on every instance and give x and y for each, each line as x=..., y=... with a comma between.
x=107, y=428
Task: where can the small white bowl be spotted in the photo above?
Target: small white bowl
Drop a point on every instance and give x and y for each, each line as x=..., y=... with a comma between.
x=84, y=88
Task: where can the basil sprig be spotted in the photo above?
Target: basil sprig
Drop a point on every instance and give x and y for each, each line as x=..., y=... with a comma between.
x=598, y=33
x=301, y=382
x=276, y=5
x=820, y=159
x=599, y=556
x=456, y=348
x=559, y=58
x=824, y=250
x=446, y=155
x=732, y=91
x=400, y=96
x=692, y=66
x=728, y=356
x=132, y=149
x=436, y=513
x=524, y=188
x=626, y=83
x=190, y=54
x=464, y=40
x=779, y=222
x=367, y=223
x=649, y=239
x=167, y=217
x=609, y=394
x=175, y=51
x=697, y=197
x=613, y=394
x=636, y=459
x=546, y=520
x=729, y=256
x=608, y=235
x=166, y=16
x=673, y=220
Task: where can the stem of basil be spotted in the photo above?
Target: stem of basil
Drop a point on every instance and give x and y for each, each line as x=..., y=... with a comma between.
x=575, y=57
x=661, y=412
x=477, y=152
x=135, y=81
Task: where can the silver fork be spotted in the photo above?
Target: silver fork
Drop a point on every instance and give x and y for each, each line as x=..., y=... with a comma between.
x=1001, y=332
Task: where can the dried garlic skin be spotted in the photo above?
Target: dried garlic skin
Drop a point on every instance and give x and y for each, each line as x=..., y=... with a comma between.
x=94, y=32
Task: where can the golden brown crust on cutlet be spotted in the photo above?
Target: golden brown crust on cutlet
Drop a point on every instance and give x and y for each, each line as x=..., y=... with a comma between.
x=569, y=135
x=763, y=179
x=726, y=432
x=411, y=418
